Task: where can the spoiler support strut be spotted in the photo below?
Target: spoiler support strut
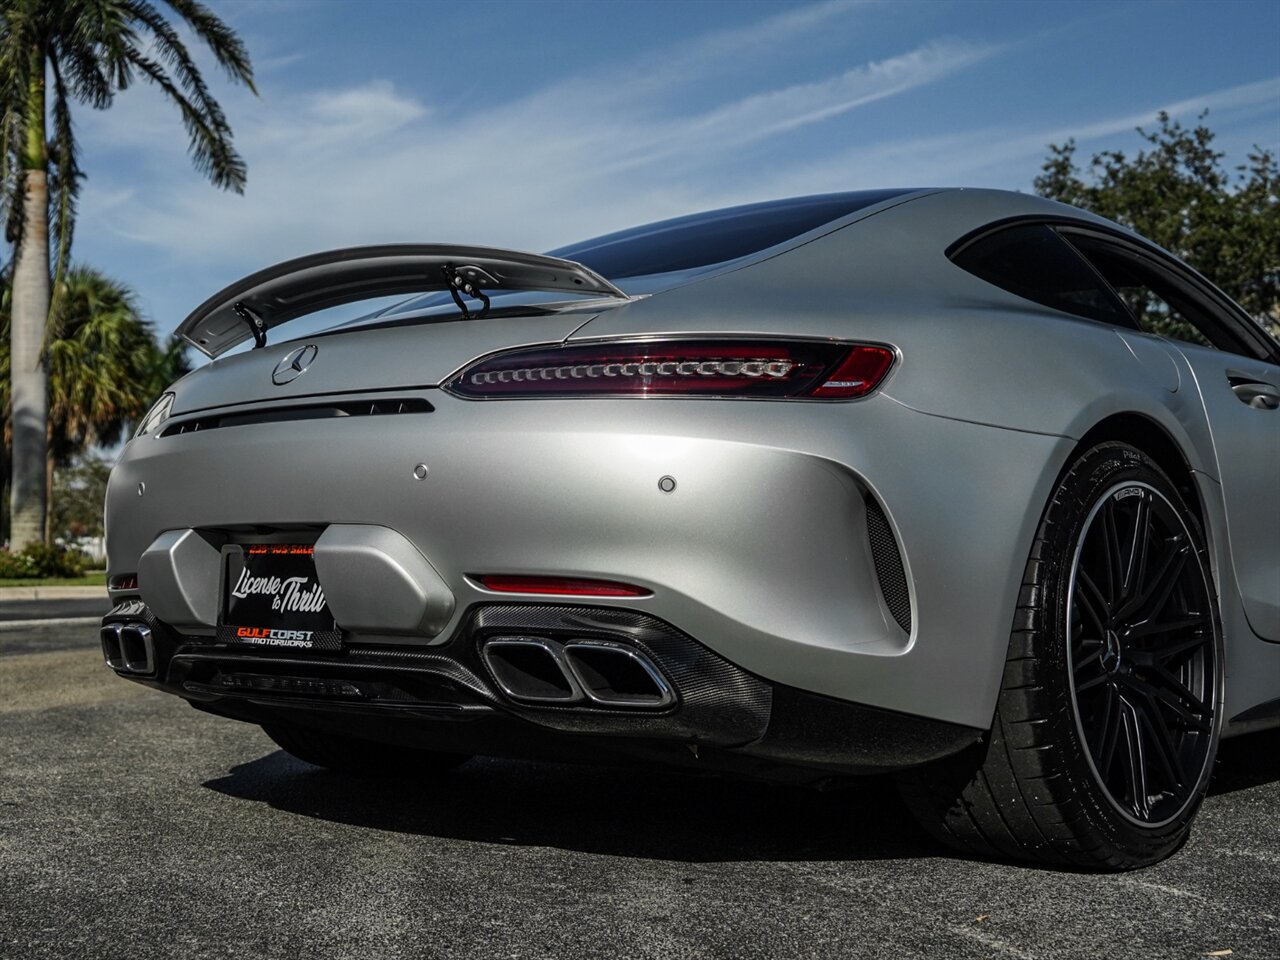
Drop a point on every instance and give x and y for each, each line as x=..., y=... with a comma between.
x=253, y=321
x=457, y=282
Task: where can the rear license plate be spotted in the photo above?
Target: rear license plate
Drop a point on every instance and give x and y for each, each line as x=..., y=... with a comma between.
x=272, y=598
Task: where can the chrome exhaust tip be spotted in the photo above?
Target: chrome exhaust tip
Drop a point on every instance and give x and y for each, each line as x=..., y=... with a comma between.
x=111, y=652
x=616, y=675
x=137, y=648
x=529, y=669
x=582, y=672
x=129, y=648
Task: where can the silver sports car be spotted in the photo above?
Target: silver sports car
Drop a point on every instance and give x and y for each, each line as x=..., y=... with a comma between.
x=964, y=485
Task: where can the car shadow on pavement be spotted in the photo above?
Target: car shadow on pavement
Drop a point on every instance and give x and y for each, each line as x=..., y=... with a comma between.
x=628, y=812
x=643, y=812
x=1248, y=761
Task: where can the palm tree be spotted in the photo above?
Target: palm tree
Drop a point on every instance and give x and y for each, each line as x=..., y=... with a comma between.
x=90, y=50
x=105, y=367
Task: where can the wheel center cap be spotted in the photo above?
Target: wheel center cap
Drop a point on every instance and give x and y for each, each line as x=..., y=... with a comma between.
x=1111, y=652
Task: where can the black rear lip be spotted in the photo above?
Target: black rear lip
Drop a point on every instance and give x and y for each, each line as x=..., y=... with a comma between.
x=725, y=718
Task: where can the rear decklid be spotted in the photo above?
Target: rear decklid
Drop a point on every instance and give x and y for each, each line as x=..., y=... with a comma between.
x=365, y=360
x=404, y=352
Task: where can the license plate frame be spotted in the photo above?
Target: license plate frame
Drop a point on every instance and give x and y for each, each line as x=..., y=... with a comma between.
x=271, y=598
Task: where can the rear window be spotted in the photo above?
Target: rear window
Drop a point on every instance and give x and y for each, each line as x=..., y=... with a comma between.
x=702, y=239
x=1034, y=262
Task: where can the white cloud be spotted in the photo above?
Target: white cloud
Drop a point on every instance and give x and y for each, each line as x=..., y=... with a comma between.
x=375, y=107
x=1007, y=157
x=374, y=163
x=775, y=112
x=592, y=152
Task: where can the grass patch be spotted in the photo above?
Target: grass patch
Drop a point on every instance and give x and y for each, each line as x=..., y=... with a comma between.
x=94, y=578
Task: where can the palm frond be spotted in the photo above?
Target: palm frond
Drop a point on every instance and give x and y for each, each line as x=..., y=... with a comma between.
x=86, y=74
x=64, y=185
x=170, y=49
x=13, y=102
x=172, y=52
x=227, y=47
x=211, y=151
x=100, y=365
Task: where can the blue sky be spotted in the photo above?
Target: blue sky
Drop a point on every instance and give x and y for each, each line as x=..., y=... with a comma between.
x=530, y=125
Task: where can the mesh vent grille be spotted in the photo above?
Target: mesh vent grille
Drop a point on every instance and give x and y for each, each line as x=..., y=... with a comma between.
x=888, y=561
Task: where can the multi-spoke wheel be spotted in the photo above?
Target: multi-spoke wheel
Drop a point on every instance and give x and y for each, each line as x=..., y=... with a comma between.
x=1108, y=717
x=1142, y=652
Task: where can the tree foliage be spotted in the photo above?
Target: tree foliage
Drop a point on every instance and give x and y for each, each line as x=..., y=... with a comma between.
x=1176, y=192
x=92, y=50
x=105, y=365
x=78, y=495
x=53, y=54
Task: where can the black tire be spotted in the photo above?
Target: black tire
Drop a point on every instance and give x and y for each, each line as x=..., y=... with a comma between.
x=1110, y=708
x=360, y=758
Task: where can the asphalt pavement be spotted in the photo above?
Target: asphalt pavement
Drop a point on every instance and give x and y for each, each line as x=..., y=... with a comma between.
x=72, y=608
x=134, y=826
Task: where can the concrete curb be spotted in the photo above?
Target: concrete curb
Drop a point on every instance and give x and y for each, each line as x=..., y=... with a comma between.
x=25, y=626
x=51, y=593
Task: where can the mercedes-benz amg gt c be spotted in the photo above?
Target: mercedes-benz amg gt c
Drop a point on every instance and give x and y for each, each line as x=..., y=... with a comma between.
x=964, y=485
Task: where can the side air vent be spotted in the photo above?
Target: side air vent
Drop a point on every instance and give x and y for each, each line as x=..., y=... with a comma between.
x=314, y=411
x=888, y=560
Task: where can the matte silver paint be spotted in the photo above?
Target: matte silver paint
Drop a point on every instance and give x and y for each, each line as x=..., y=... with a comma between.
x=376, y=581
x=1246, y=447
x=397, y=358
x=760, y=552
x=179, y=575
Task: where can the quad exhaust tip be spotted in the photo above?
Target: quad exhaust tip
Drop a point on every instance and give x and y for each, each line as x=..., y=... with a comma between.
x=584, y=672
x=529, y=669
x=617, y=675
x=129, y=648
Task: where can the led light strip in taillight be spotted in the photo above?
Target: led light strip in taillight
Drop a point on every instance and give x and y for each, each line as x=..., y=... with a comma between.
x=747, y=368
x=649, y=368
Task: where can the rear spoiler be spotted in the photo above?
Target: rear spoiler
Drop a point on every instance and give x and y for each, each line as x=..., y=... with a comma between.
x=274, y=296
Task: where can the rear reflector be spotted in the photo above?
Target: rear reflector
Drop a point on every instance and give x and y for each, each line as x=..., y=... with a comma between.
x=124, y=581
x=560, y=586
x=760, y=369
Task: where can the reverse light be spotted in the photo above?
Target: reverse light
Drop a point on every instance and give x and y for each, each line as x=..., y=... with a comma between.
x=761, y=369
x=559, y=586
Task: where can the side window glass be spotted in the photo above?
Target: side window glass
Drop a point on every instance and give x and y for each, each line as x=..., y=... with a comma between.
x=1034, y=262
x=1156, y=302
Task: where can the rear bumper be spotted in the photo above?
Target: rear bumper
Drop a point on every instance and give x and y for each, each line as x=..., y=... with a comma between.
x=761, y=552
x=452, y=699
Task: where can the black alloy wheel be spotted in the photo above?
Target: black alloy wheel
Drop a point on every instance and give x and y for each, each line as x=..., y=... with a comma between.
x=1110, y=707
x=1142, y=653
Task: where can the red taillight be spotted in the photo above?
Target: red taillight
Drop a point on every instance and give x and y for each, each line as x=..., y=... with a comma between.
x=560, y=586
x=758, y=369
x=858, y=374
x=124, y=581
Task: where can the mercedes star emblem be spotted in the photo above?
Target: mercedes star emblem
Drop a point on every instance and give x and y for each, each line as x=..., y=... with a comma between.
x=294, y=364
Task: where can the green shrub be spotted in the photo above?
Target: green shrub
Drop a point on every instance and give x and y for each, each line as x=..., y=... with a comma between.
x=16, y=565
x=42, y=561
